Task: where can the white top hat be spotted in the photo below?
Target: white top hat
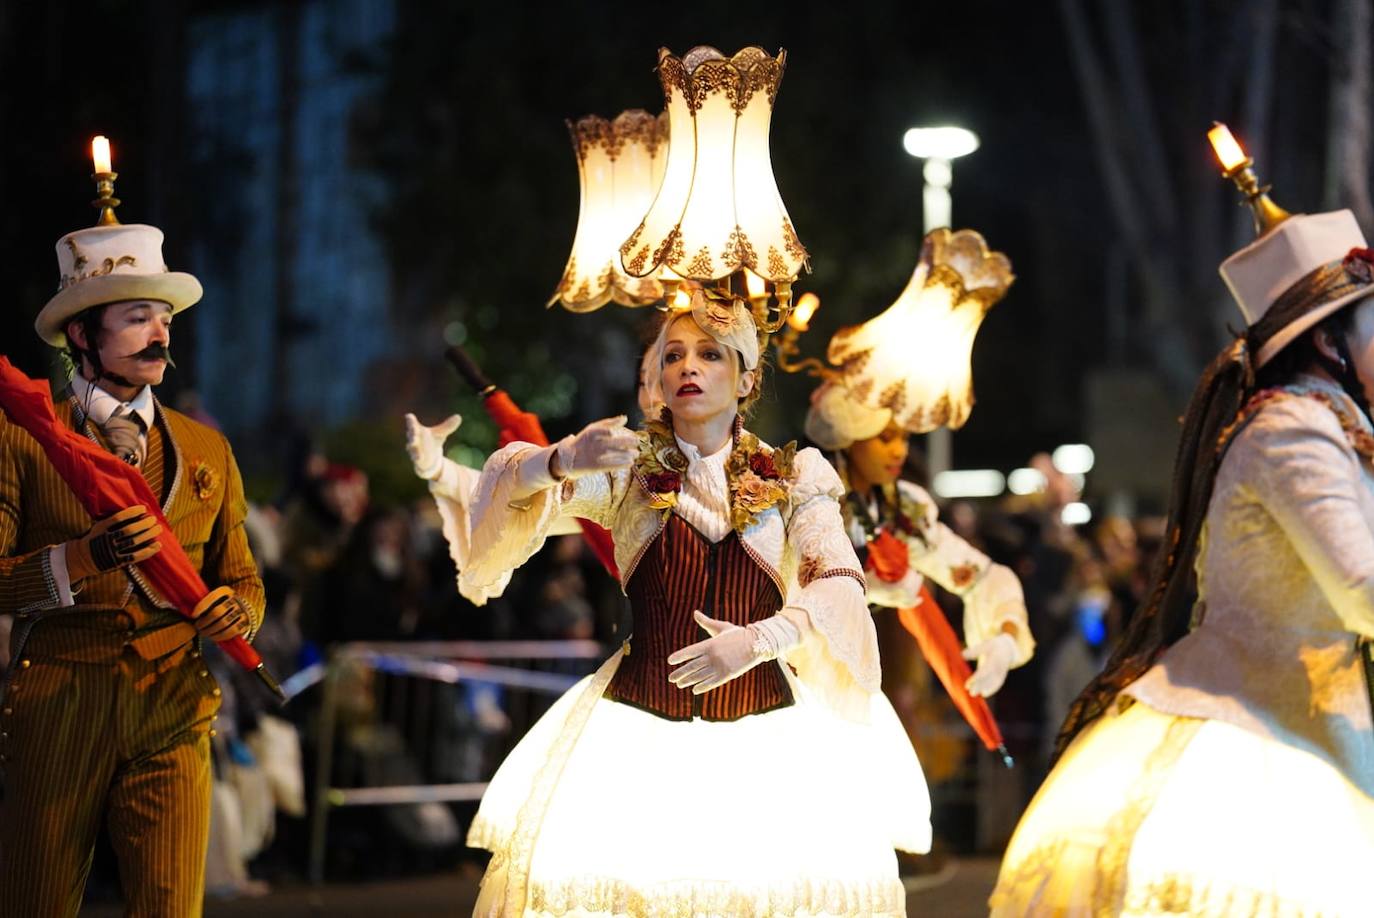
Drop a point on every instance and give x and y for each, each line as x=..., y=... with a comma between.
x=1297, y=269
x=108, y=264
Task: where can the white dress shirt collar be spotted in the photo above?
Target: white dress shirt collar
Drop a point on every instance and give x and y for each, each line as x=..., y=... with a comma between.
x=99, y=405
x=694, y=455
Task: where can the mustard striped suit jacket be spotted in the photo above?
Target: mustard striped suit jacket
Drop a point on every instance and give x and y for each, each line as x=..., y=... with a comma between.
x=191, y=468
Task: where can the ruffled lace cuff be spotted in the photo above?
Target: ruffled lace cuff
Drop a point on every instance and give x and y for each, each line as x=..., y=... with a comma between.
x=508, y=522
x=994, y=601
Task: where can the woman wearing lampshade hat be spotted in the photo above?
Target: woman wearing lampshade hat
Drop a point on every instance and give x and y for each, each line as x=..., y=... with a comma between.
x=695, y=773
x=904, y=372
x=1223, y=762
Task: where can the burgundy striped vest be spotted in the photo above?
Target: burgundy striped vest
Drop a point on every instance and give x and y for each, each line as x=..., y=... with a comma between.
x=680, y=572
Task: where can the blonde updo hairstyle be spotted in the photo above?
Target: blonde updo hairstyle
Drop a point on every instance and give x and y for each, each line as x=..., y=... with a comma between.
x=746, y=403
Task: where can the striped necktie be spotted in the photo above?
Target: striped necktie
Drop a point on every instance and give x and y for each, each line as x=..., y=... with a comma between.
x=124, y=431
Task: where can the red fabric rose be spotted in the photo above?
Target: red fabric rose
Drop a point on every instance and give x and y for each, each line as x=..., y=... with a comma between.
x=888, y=559
x=761, y=464
x=663, y=482
x=1359, y=264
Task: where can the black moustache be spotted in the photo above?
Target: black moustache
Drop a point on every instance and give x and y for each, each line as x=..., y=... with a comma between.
x=155, y=352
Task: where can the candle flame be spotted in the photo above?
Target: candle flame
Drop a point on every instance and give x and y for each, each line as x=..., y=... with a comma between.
x=100, y=154
x=757, y=286
x=1227, y=149
x=806, y=307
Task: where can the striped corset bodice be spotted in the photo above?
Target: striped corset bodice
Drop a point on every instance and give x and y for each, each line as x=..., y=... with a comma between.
x=682, y=571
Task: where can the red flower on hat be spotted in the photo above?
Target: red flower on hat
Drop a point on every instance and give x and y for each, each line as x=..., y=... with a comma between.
x=1359, y=265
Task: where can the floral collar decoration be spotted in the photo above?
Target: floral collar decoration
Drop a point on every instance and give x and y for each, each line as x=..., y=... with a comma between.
x=1360, y=439
x=758, y=477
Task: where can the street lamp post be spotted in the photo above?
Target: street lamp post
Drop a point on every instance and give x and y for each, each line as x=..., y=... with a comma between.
x=939, y=147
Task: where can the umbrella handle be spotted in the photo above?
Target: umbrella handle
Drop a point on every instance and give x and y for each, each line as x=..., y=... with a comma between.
x=241, y=652
x=469, y=370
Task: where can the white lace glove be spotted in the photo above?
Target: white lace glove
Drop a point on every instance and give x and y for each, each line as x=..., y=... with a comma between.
x=995, y=656
x=730, y=651
x=905, y=592
x=601, y=446
x=426, y=444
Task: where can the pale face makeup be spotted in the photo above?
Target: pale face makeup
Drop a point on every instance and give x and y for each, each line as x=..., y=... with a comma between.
x=700, y=377
x=128, y=328
x=1361, y=342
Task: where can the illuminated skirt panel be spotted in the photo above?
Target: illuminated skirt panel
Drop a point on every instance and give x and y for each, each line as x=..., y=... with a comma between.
x=1152, y=814
x=791, y=812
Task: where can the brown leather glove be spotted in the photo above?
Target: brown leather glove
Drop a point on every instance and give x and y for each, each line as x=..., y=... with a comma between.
x=221, y=615
x=127, y=537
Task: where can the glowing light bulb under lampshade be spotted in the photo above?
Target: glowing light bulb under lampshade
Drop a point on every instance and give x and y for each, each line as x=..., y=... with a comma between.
x=914, y=359
x=718, y=208
x=806, y=307
x=756, y=286
x=682, y=300
x=1228, y=151
x=619, y=166
x=100, y=155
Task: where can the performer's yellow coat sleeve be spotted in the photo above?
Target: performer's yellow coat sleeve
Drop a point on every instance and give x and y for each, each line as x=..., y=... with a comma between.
x=26, y=581
x=228, y=562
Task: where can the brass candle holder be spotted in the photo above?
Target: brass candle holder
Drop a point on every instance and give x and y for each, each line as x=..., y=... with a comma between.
x=105, y=201
x=785, y=345
x=1236, y=165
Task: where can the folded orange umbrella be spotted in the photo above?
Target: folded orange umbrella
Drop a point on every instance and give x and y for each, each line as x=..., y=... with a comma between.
x=889, y=561
x=516, y=424
x=104, y=484
x=943, y=651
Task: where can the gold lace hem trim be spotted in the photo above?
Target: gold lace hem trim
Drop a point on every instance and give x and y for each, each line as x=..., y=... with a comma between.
x=1170, y=894
x=609, y=896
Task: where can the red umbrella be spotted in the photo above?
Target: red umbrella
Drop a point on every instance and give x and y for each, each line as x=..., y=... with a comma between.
x=888, y=560
x=516, y=424
x=104, y=484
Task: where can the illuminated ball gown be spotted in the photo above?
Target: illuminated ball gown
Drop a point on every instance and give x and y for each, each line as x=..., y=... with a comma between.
x=609, y=807
x=1236, y=776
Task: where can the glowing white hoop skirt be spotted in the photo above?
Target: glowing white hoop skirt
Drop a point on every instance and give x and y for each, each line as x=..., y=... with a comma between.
x=1152, y=814
x=792, y=812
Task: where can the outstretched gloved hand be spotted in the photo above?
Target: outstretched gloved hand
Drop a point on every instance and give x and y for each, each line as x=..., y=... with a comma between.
x=601, y=446
x=426, y=444
x=995, y=656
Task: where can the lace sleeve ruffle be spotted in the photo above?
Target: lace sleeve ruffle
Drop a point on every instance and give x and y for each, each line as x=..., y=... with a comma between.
x=453, y=493
x=505, y=532
x=838, y=656
x=991, y=593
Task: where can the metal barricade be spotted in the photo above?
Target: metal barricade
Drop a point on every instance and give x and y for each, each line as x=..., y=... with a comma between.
x=401, y=685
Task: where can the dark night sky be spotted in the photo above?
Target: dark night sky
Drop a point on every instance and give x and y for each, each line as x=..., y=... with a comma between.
x=494, y=209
